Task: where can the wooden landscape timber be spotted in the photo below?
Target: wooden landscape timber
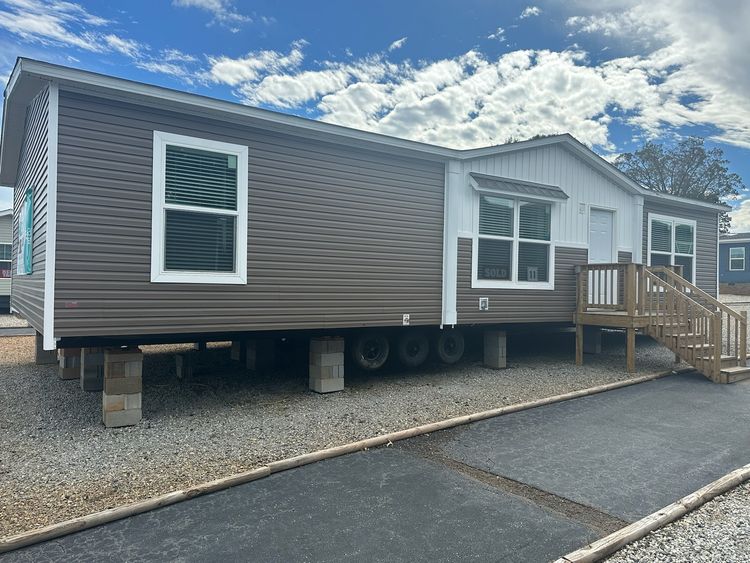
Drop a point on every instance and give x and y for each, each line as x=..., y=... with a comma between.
x=600, y=549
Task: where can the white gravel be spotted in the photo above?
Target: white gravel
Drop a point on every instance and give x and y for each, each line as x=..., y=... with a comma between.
x=12, y=321
x=718, y=532
x=57, y=461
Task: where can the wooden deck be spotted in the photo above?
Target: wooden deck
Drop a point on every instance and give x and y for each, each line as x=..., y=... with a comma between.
x=661, y=303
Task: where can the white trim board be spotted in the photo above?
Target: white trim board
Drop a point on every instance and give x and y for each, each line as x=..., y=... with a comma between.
x=158, y=206
x=50, y=242
x=674, y=220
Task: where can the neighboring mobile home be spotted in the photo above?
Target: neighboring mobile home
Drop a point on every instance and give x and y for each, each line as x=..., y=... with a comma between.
x=734, y=268
x=151, y=215
x=6, y=239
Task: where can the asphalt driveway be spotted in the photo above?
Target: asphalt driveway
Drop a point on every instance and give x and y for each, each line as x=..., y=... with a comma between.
x=529, y=486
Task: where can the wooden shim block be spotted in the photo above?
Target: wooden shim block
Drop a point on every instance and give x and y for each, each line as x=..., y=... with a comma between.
x=611, y=543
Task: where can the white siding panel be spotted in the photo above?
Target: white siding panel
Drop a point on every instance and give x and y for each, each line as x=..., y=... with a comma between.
x=557, y=166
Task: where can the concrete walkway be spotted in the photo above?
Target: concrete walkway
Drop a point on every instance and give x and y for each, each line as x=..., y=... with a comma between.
x=529, y=486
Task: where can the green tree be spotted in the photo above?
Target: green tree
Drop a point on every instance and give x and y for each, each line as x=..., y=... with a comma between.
x=686, y=169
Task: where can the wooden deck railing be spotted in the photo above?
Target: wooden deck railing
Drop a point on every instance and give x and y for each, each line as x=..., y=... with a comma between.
x=733, y=337
x=683, y=325
x=694, y=324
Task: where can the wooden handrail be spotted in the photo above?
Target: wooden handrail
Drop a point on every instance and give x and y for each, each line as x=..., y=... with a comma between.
x=694, y=289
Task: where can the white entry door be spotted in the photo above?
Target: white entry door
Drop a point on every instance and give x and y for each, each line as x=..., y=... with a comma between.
x=602, y=285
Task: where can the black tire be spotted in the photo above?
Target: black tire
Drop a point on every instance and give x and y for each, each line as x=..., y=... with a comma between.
x=370, y=350
x=413, y=348
x=450, y=346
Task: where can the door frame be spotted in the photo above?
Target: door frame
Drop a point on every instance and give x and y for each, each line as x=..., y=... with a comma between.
x=612, y=210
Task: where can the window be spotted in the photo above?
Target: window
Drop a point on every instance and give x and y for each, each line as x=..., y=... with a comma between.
x=199, y=218
x=5, y=251
x=737, y=259
x=672, y=243
x=513, y=243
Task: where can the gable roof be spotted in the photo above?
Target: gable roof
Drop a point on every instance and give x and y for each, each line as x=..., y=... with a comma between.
x=29, y=76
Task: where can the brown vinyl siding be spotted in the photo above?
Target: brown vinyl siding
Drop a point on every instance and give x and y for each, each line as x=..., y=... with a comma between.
x=519, y=305
x=27, y=295
x=337, y=236
x=706, y=237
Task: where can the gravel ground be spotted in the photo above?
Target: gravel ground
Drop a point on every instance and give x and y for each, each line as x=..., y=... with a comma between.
x=57, y=461
x=12, y=321
x=718, y=532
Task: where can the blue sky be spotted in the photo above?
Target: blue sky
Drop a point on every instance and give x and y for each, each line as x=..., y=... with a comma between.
x=613, y=73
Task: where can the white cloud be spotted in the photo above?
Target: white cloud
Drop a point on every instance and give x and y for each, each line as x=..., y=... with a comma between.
x=223, y=11
x=741, y=217
x=397, y=44
x=128, y=47
x=498, y=34
x=254, y=65
x=52, y=23
x=529, y=12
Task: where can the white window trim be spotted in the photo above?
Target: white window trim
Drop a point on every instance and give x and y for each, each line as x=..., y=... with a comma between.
x=742, y=248
x=673, y=220
x=514, y=282
x=158, y=207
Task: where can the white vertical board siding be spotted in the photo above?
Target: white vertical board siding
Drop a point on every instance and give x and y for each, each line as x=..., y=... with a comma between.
x=556, y=166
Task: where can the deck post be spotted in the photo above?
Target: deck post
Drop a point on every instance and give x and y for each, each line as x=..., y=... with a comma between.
x=184, y=365
x=742, y=352
x=630, y=289
x=630, y=350
x=579, y=344
x=592, y=339
x=69, y=363
x=326, y=365
x=123, y=385
x=92, y=369
x=41, y=356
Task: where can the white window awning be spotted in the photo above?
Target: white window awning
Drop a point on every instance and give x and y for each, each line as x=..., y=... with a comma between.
x=509, y=186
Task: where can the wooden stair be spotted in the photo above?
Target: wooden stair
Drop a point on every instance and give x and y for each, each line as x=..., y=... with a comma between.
x=698, y=328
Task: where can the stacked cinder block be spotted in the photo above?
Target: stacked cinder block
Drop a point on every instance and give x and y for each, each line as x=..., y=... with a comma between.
x=326, y=365
x=69, y=363
x=123, y=383
x=495, y=349
x=92, y=369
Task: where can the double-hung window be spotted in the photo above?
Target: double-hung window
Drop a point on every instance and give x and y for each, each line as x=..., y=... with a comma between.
x=5, y=257
x=513, y=243
x=672, y=243
x=737, y=259
x=199, y=217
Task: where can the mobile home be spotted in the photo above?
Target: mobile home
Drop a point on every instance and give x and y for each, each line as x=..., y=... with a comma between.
x=144, y=215
x=734, y=269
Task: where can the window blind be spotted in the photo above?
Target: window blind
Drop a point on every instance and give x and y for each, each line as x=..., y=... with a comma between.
x=534, y=221
x=200, y=178
x=494, y=259
x=495, y=216
x=199, y=242
x=533, y=260
x=683, y=239
x=661, y=236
